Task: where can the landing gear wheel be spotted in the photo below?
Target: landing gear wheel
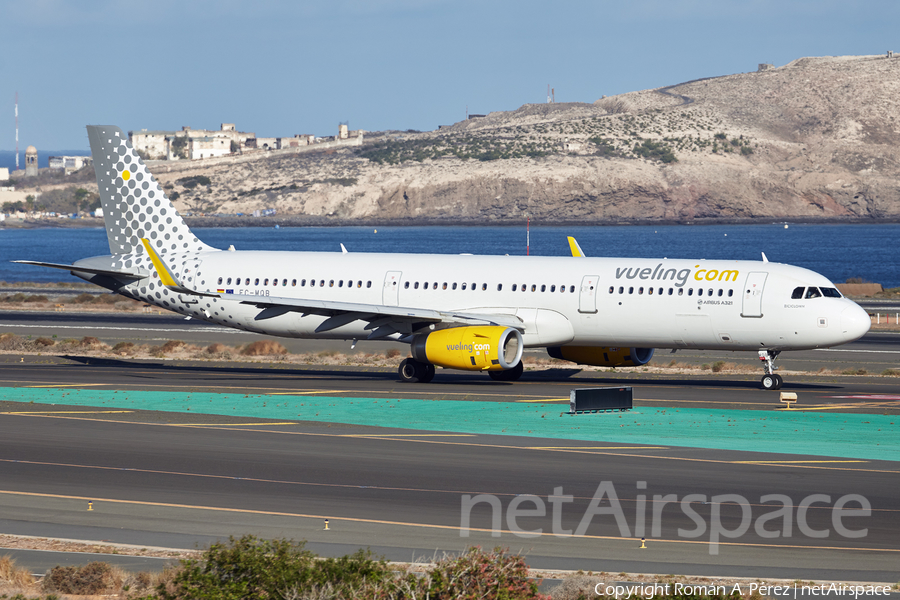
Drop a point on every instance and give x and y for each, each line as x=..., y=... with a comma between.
x=770, y=382
x=427, y=373
x=778, y=381
x=413, y=371
x=509, y=374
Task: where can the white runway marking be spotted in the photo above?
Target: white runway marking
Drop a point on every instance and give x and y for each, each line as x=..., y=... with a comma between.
x=214, y=329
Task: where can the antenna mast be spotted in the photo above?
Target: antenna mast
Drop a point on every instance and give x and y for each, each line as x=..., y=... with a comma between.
x=17, y=131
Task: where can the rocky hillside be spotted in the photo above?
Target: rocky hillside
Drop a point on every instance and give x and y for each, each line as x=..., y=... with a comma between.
x=814, y=139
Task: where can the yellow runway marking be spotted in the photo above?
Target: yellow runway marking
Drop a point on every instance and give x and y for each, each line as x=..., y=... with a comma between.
x=65, y=385
x=792, y=462
x=598, y=447
x=546, y=400
x=68, y=412
x=375, y=435
x=333, y=519
x=229, y=424
x=303, y=393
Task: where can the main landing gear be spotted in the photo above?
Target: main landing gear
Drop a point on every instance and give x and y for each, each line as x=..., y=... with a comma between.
x=770, y=381
x=508, y=374
x=413, y=371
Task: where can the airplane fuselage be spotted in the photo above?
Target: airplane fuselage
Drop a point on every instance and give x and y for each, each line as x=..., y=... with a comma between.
x=658, y=303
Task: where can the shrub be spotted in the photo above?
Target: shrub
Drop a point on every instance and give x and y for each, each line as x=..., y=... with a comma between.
x=83, y=298
x=37, y=298
x=14, y=575
x=718, y=366
x=89, y=342
x=216, y=348
x=392, y=353
x=891, y=373
x=92, y=578
x=478, y=574
x=263, y=348
x=42, y=341
x=254, y=568
x=123, y=347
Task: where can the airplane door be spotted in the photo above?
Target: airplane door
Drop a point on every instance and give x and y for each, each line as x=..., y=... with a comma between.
x=753, y=291
x=587, y=300
x=391, y=294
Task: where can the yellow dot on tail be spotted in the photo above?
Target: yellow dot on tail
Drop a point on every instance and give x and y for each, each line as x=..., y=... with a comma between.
x=126, y=175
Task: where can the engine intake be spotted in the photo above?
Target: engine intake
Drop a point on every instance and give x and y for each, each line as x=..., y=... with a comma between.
x=603, y=357
x=484, y=348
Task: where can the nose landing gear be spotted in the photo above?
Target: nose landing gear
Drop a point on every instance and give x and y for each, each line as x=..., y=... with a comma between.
x=770, y=381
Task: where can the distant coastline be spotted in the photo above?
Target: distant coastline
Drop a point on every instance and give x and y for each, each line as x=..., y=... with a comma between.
x=8, y=157
x=316, y=221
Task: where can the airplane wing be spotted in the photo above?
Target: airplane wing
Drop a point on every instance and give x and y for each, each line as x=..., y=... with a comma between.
x=383, y=320
x=140, y=274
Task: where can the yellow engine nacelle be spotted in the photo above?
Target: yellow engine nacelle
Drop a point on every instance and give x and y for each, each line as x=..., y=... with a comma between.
x=486, y=348
x=603, y=357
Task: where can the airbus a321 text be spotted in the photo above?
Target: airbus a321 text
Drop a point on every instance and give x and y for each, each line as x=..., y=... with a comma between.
x=474, y=313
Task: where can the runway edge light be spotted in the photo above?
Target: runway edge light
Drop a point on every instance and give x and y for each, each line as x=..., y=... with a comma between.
x=643, y=544
x=326, y=524
x=90, y=505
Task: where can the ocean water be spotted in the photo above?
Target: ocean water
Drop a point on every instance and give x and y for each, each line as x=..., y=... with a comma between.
x=836, y=251
x=8, y=157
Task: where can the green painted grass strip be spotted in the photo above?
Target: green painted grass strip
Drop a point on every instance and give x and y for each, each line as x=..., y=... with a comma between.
x=845, y=435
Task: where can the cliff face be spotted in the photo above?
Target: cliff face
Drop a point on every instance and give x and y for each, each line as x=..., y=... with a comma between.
x=816, y=138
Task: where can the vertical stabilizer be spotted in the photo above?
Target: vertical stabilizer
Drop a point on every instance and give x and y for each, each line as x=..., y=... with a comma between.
x=134, y=204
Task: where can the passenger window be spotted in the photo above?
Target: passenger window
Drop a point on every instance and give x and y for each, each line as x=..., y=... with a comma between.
x=640, y=291
x=444, y=286
x=670, y=291
x=562, y=289
x=571, y=289
x=700, y=292
x=340, y=283
x=553, y=289
x=228, y=282
x=621, y=290
x=416, y=285
x=533, y=287
x=631, y=290
x=473, y=286
x=274, y=282
x=256, y=281
x=690, y=291
x=220, y=281
x=293, y=282
x=543, y=288
x=524, y=287
x=797, y=294
x=720, y=292
x=813, y=292
x=499, y=287
x=681, y=291
x=302, y=282
x=368, y=284
x=659, y=291
x=463, y=286
x=514, y=287
x=284, y=282
x=359, y=283
x=425, y=286
x=434, y=287
x=454, y=285
x=406, y=286
x=321, y=283
x=483, y=287
x=730, y=293
x=830, y=292
x=649, y=291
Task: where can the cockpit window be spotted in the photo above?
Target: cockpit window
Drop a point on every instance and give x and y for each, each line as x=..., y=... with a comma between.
x=797, y=294
x=830, y=292
x=813, y=292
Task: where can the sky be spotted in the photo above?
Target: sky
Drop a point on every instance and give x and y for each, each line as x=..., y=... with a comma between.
x=285, y=67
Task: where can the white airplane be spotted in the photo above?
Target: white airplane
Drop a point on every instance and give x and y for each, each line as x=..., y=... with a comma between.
x=459, y=312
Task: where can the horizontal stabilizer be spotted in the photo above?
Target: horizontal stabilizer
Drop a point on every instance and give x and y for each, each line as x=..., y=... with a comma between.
x=135, y=274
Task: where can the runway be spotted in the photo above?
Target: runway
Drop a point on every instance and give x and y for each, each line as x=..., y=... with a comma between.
x=179, y=478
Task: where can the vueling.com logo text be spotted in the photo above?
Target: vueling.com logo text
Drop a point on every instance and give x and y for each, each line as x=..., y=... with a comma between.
x=468, y=347
x=679, y=277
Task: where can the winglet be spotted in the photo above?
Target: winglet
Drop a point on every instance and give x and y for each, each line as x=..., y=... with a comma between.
x=575, y=248
x=765, y=258
x=166, y=276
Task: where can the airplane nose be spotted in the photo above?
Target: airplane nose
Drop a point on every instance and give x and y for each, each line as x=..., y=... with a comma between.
x=855, y=322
